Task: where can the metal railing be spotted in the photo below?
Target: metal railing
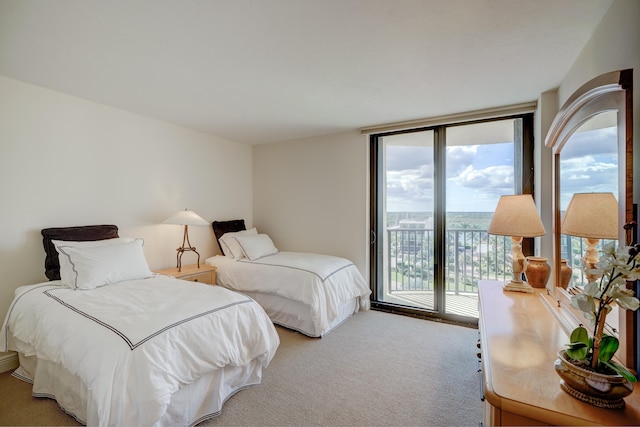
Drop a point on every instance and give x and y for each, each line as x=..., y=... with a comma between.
x=572, y=249
x=471, y=255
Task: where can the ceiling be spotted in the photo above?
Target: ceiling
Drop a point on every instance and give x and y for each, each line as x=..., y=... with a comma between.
x=259, y=71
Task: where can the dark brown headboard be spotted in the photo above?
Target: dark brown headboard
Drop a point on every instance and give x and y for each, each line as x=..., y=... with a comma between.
x=221, y=227
x=82, y=233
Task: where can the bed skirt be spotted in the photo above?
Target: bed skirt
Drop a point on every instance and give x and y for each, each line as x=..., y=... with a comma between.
x=190, y=405
x=298, y=316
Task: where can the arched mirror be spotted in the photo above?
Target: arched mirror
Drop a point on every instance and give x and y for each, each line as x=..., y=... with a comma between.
x=592, y=144
x=587, y=162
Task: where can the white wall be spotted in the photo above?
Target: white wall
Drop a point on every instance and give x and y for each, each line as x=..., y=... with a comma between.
x=615, y=45
x=543, y=164
x=65, y=161
x=311, y=195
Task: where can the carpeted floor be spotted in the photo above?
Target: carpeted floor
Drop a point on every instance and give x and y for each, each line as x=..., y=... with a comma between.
x=377, y=369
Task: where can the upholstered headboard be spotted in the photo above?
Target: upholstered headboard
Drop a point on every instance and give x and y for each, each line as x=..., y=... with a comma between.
x=221, y=227
x=78, y=234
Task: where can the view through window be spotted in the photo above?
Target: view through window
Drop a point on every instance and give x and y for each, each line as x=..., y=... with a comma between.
x=437, y=192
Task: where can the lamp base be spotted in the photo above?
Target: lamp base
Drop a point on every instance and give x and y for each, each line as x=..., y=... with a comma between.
x=518, y=287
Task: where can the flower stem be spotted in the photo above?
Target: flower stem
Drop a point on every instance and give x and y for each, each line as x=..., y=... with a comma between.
x=597, y=336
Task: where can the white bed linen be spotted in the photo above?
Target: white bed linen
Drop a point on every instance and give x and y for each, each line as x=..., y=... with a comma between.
x=134, y=344
x=193, y=403
x=324, y=283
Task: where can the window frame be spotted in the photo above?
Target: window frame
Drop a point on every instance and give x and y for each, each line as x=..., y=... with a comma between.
x=524, y=173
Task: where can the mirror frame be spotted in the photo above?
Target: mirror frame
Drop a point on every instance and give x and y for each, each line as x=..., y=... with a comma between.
x=610, y=91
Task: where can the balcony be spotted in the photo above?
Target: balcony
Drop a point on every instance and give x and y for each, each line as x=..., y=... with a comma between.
x=471, y=256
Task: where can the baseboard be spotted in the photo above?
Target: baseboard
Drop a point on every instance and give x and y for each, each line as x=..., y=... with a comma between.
x=9, y=362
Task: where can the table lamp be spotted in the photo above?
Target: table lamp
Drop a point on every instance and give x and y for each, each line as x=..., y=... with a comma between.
x=592, y=216
x=516, y=216
x=186, y=218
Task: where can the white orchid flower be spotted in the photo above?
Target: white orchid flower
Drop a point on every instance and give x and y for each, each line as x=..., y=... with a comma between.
x=624, y=297
x=583, y=302
x=609, y=248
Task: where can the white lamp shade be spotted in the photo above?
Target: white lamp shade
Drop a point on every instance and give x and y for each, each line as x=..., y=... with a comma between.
x=591, y=215
x=186, y=217
x=516, y=216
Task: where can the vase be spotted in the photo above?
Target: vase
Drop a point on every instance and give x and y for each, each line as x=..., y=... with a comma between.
x=565, y=273
x=538, y=271
x=601, y=390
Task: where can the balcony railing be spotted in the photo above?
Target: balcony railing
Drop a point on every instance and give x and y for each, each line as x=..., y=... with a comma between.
x=471, y=255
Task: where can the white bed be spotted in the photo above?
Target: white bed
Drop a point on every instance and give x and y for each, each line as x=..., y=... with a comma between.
x=145, y=351
x=306, y=292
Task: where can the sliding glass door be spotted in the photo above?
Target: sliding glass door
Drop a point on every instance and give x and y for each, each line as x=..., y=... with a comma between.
x=408, y=260
x=433, y=195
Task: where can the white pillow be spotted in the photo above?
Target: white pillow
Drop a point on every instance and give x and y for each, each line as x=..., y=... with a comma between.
x=95, y=266
x=230, y=246
x=66, y=269
x=258, y=246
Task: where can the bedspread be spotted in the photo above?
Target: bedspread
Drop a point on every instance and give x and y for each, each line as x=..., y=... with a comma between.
x=323, y=282
x=135, y=343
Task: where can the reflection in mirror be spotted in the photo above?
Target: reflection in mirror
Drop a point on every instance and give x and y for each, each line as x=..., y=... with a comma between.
x=588, y=162
x=592, y=142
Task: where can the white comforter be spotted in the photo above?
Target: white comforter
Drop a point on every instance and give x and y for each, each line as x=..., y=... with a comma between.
x=323, y=282
x=135, y=343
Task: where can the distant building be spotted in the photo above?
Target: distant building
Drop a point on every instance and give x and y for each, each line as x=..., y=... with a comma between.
x=410, y=235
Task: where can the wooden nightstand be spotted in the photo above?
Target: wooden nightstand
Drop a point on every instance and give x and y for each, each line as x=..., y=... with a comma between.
x=204, y=274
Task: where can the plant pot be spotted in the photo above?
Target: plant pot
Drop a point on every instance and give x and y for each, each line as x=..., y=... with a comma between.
x=565, y=273
x=538, y=271
x=601, y=390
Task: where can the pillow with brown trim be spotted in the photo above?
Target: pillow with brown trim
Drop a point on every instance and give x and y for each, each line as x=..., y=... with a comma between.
x=77, y=234
x=220, y=228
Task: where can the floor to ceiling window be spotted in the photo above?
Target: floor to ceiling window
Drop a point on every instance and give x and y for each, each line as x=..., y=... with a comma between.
x=433, y=194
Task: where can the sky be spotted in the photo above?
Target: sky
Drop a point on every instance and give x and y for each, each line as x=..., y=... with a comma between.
x=477, y=175
x=589, y=163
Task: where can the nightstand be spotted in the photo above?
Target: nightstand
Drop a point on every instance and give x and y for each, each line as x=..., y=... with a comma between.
x=204, y=274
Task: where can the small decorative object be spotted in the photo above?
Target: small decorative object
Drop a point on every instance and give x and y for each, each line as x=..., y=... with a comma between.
x=186, y=218
x=516, y=216
x=538, y=271
x=595, y=354
x=565, y=273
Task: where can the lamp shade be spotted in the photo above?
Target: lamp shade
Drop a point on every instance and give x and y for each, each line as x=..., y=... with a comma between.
x=186, y=217
x=516, y=216
x=591, y=215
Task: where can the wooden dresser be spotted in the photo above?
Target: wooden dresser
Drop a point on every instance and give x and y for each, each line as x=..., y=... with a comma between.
x=520, y=335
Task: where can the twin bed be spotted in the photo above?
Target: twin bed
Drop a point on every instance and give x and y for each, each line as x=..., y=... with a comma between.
x=309, y=293
x=124, y=346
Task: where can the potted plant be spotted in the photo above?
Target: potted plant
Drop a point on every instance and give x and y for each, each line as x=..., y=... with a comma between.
x=587, y=367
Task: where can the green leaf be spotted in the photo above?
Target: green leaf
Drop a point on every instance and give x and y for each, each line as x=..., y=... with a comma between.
x=608, y=347
x=579, y=347
x=621, y=370
x=580, y=334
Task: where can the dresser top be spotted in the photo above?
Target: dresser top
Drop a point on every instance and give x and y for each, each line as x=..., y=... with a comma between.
x=520, y=336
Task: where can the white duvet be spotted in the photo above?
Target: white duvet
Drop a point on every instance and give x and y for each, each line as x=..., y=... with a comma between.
x=323, y=282
x=133, y=344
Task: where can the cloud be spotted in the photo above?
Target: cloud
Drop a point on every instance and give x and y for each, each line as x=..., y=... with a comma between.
x=490, y=178
x=588, y=173
x=403, y=158
x=410, y=183
x=460, y=158
x=599, y=142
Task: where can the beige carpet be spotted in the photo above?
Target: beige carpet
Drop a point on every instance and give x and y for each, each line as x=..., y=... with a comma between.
x=377, y=369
